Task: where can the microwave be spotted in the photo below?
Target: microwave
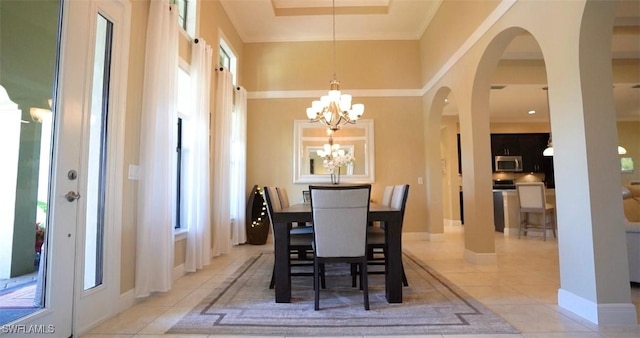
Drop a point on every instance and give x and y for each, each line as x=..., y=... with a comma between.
x=508, y=163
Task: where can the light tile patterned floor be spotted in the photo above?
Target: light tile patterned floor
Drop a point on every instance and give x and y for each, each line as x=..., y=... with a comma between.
x=521, y=288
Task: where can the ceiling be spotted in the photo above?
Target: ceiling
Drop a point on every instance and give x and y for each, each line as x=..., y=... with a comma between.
x=312, y=20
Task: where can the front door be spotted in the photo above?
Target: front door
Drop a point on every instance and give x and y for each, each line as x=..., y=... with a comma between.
x=63, y=75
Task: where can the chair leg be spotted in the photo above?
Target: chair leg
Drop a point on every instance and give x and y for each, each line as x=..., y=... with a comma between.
x=364, y=283
x=544, y=225
x=316, y=278
x=520, y=226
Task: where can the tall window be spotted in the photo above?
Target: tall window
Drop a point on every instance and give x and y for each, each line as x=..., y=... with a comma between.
x=183, y=108
x=186, y=15
x=228, y=60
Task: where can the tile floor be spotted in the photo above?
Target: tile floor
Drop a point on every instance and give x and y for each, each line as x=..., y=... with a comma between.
x=521, y=288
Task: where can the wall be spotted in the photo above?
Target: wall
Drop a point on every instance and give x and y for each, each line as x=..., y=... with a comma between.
x=361, y=65
x=139, y=14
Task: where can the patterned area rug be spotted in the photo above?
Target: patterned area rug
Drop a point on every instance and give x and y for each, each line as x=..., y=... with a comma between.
x=244, y=305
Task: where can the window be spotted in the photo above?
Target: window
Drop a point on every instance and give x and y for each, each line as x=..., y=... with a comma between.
x=626, y=164
x=186, y=15
x=182, y=12
x=228, y=60
x=183, y=108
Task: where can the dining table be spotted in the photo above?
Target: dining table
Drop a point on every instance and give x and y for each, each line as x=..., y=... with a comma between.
x=301, y=213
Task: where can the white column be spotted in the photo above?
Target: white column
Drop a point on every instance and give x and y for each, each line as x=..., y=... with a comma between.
x=10, y=120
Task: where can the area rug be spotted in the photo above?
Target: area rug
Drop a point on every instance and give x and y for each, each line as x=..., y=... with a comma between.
x=244, y=305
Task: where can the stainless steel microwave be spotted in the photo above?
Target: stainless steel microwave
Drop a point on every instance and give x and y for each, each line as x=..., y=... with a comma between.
x=508, y=163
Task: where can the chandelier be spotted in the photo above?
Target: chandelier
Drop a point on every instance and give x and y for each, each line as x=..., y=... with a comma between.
x=335, y=109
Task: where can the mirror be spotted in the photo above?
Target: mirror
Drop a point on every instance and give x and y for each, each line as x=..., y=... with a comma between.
x=355, y=140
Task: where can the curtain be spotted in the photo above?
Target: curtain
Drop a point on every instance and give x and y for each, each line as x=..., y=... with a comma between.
x=239, y=168
x=221, y=172
x=196, y=140
x=156, y=186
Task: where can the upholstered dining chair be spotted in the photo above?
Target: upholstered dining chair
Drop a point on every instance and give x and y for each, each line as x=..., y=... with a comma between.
x=376, y=243
x=284, y=203
x=378, y=227
x=532, y=200
x=340, y=230
x=298, y=242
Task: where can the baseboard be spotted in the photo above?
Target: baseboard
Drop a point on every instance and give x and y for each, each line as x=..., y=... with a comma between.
x=178, y=271
x=510, y=232
x=480, y=258
x=452, y=222
x=127, y=300
x=599, y=314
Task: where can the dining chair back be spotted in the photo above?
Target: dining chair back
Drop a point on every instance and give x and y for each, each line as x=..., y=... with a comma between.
x=340, y=229
x=532, y=200
x=283, y=196
x=376, y=241
x=386, y=196
x=299, y=243
x=298, y=228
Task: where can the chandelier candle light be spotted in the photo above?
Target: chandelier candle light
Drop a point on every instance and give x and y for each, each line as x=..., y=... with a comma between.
x=335, y=109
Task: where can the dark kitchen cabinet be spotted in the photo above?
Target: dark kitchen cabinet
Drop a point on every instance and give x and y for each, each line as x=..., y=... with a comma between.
x=505, y=144
x=531, y=147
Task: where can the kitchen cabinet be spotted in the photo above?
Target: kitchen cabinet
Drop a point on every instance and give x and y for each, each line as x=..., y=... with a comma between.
x=531, y=147
x=498, y=211
x=505, y=144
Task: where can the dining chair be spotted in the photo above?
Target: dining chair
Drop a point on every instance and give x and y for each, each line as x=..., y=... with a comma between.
x=378, y=227
x=376, y=242
x=298, y=242
x=284, y=203
x=532, y=200
x=340, y=230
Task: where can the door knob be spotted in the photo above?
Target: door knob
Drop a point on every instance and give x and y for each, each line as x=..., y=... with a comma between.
x=72, y=196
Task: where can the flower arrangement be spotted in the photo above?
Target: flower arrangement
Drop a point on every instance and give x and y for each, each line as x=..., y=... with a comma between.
x=336, y=160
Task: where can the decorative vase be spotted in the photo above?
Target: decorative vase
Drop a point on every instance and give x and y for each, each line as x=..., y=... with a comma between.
x=335, y=178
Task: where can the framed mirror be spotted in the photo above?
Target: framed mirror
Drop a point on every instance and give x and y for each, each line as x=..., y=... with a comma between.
x=356, y=140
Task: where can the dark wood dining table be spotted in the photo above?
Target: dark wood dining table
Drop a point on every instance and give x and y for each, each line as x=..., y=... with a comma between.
x=302, y=213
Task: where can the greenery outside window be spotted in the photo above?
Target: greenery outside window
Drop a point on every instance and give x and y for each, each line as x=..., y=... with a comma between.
x=626, y=164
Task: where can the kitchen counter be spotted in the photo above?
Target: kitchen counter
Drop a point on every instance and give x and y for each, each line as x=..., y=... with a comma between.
x=510, y=210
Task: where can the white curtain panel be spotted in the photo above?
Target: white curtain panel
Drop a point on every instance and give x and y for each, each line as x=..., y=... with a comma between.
x=196, y=139
x=222, y=158
x=156, y=186
x=239, y=168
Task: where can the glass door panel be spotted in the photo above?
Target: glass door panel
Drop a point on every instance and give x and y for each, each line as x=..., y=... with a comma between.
x=28, y=52
x=96, y=165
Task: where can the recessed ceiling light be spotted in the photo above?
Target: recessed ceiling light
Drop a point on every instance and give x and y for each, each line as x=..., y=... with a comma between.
x=531, y=112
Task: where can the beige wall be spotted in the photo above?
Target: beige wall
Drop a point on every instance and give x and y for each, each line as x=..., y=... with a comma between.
x=379, y=65
x=309, y=66
x=139, y=14
x=453, y=23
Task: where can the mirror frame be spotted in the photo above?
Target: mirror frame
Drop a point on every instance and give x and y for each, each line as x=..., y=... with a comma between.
x=299, y=155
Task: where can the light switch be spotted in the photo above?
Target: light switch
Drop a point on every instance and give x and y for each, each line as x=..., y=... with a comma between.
x=419, y=180
x=133, y=172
